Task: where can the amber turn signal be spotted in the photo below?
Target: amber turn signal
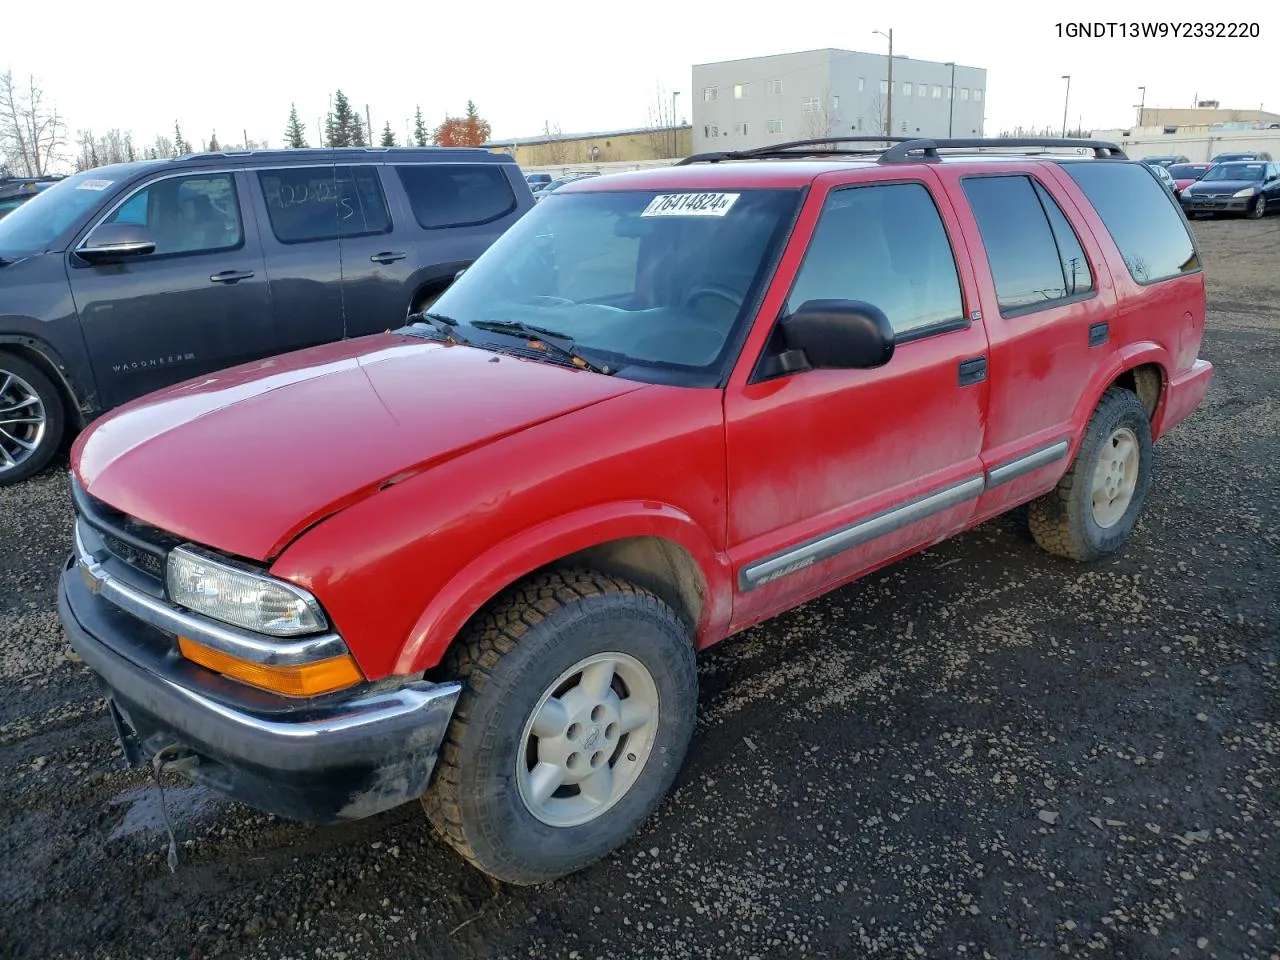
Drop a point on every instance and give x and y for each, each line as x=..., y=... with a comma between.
x=298, y=680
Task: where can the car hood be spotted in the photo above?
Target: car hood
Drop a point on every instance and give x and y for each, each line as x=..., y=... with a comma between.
x=1222, y=186
x=246, y=459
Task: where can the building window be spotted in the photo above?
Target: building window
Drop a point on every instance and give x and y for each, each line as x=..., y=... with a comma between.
x=904, y=126
x=740, y=128
x=859, y=123
x=774, y=88
x=977, y=94
x=739, y=91
x=862, y=84
x=774, y=126
x=950, y=91
x=937, y=93
x=710, y=93
x=906, y=89
x=922, y=89
x=810, y=105
x=835, y=103
x=884, y=86
x=964, y=93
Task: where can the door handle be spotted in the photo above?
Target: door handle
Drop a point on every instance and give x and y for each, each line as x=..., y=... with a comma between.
x=231, y=276
x=973, y=370
x=388, y=256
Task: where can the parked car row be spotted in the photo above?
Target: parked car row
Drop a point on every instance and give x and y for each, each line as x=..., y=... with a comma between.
x=1244, y=182
x=123, y=279
x=470, y=560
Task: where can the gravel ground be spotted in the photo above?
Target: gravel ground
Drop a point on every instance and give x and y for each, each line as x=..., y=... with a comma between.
x=981, y=752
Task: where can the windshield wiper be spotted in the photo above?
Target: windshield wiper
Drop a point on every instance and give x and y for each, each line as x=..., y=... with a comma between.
x=445, y=325
x=561, y=344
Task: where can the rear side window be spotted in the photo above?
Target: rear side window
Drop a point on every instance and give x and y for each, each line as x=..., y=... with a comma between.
x=453, y=195
x=1075, y=268
x=1034, y=261
x=1140, y=216
x=323, y=203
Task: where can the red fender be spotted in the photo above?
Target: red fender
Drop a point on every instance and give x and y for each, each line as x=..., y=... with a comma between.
x=515, y=557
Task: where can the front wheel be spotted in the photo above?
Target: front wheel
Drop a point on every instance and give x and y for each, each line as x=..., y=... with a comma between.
x=1259, y=208
x=32, y=419
x=578, y=703
x=1096, y=504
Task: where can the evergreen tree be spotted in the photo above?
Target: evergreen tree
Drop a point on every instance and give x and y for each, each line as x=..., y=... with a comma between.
x=180, y=146
x=341, y=125
x=359, y=137
x=214, y=146
x=294, y=134
x=388, y=137
x=420, y=137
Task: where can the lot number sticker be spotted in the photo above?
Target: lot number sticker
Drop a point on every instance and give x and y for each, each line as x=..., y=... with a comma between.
x=94, y=185
x=690, y=205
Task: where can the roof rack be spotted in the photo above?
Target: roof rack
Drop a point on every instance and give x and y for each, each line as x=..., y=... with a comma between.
x=903, y=149
x=928, y=148
x=790, y=149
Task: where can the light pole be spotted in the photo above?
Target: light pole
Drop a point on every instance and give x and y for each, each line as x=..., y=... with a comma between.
x=951, y=99
x=675, y=141
x=1141, y=106
x=1066, y=97
x=888, y=113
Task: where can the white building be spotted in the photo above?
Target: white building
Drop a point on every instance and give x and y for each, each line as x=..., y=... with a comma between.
x=738, y=104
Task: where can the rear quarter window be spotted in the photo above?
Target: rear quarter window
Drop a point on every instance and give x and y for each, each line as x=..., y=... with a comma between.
x=1141, y=217
x=451, y=195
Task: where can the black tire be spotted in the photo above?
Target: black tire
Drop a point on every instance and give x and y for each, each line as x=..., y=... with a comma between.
x=1258, y=209
x=507, y=660
x=55, y=419
x=1062, y=521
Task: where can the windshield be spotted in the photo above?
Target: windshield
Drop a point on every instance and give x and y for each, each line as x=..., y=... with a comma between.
x=1187, y=171
x=652, y=284
x=33, y=226
x=1235, y=171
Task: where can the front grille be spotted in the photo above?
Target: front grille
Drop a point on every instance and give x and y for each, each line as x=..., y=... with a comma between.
x=139, y=546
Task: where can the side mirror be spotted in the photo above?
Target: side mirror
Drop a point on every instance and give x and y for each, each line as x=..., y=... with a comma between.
x=840, y=334
x=116, y=241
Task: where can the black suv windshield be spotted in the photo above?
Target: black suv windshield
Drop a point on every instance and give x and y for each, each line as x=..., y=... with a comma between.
x=32, y=227
x=1235, y=171
x=651, y=284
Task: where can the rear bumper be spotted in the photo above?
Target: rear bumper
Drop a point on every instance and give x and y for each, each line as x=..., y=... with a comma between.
x=330, y=762
x=1183, y=394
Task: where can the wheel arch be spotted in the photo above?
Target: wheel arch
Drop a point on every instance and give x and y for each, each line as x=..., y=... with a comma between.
x=657, y=547
x=78, y=407
x=1141, y=368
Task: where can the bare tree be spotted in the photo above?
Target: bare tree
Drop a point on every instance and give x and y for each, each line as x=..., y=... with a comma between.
x=878, y=116
x=32, y=133
x=825, y=119
x=662, y=131
x=555, y=150
x=113, y=147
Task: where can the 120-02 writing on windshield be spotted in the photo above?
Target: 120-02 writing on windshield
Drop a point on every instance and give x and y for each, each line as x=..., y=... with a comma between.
x=1186, y=29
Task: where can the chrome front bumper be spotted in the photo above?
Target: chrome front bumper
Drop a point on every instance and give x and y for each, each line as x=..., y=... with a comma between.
x=334, y=758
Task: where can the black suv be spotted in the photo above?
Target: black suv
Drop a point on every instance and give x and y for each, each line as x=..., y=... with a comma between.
x=127, y=278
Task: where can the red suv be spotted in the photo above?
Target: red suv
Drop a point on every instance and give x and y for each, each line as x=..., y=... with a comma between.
x=471, y=560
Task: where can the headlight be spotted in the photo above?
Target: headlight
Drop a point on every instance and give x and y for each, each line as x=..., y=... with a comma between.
x=240, y=596
x=1246, y=192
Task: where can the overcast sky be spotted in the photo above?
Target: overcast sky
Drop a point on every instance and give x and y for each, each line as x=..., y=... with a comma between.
x=234, y=66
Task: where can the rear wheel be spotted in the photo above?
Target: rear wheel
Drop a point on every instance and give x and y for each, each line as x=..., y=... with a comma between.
x=1095, y=506
x=32, y=419
x=578, y=703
